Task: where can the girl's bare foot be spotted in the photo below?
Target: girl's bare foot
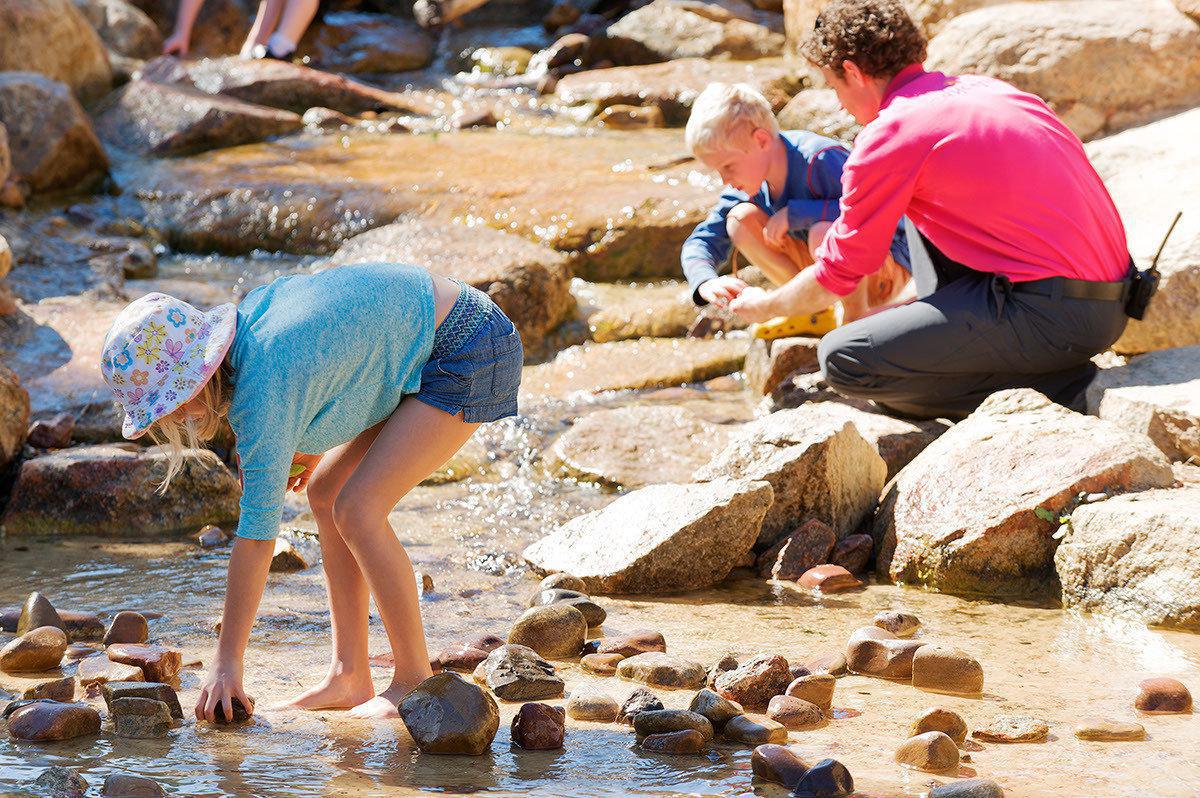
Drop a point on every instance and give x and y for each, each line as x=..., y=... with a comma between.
x=334, y=692
x=384, y=705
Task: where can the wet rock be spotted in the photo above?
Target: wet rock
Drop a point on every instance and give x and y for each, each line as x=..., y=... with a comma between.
x=982, y=532
x=1070, y=42
x=641, y=700
x=875, y=656
x=827, y=472
x=125, y=785
x=795, y=713
x=591, y=704
x=152, y=690
x=681, y=441
x=933, y=751
x=61, y=690
x=39, y=649
x=1147, y=199
x=593, y=613
x=833, y=664
x=110, y=490
x=631, y=117
x=560, y=15
x=684, y=741
x=1012, y=729
x=140, y=718
x=968, y=788
x=36, y=613
x=942, y=720
x=661, y=538
x=486, y=642
x=662, y=670
x=539, y=727
x=754, y=731
x=517, y=673
x=53, y=432
x=1136, y=556
x=61, y=782
x=459, y=657
x=127, y=627
x=1109, y=730
x=348, y=41
x=50, y=721
x=99, y=669
x=239, y=711
x=726, y=663
x=806, y=548
x=673, y=86
x=815, y=688
x=529, y=282
x=1157, y=394
x=220, y=27
x=1163, y=695
x=82, y=625
x=901, y=624
x=557, y=631
x=210, y=537
x=56, y=41
x=500, y=61
x=946, y=669
x=563, y=581
x=754, y=683
x=778, y=764
x=447, y=715
x=768, y=363
x=829, y=579
x=158, y=663
x=826, y=779
x=667, y=29
x=818, y=110
x=52, y=142
x=14, y=412
x=155, y=119
x=124, y=28
x=666, y=721
x=295, y=550
x=601, y=664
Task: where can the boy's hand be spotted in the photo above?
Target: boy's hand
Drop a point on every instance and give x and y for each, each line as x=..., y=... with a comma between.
x=720, y=291
x=221, y=686
x=753, y=305
x=776, y=231
x=297, y=478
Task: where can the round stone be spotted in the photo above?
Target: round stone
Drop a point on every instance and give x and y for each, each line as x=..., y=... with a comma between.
x=946, y=670
x=590, y=703
x=754, y=731
x=795, y=713
x=127, y=627
x=1109, y=730
x=943, y=720
x=717, y=709
x=829, y=579
x=968, y=788
x=828, y=778
x=1163, y=695
x=641, y=700
x=125, y=785
x=933, y=751
x=662, y=670
x=564, y=581
x=778, y=764
x=39, y=649
x=601, y=664
x=555, y=632
x=755, y=683
x=539, y=727
x=49, y=721
x=872, y=655
x=685, y=741
x=816, y=688
x=665, y=721
x=901, y=624
x=1012, y=729
x=459, y=657
x=446, y=714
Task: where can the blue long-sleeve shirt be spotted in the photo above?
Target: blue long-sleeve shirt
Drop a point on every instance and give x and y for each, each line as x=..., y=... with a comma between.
x=810, y=194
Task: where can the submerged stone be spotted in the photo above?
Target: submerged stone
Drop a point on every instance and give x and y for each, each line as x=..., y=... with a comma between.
x=1012, y=729
x=777, y=763
x=125, y=785
x=933, y=751
x=684, y=741
x=61, y=782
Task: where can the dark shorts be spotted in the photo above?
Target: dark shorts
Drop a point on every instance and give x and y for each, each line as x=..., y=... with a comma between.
x=475, y=366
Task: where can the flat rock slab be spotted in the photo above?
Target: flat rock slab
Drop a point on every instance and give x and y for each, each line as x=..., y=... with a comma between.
x=1157, y=394
x=670, y=29
x=826, y=471
x=963, y=516
x=1137, y=556
x=769, y=363
x=618, y=312
x=348, y=41
x=633, y=365
x=658, y=539
x=636, y=446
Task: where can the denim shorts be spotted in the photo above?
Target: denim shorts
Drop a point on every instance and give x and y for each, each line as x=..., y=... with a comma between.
x=475, y=365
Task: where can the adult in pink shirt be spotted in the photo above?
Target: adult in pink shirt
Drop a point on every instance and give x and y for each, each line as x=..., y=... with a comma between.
x=1019, y=255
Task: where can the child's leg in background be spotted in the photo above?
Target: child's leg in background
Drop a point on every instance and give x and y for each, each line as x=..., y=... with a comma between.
x=874, y=291
x=745, y=225
x=297, y=16
x=348, y=683
x=414, y=442
x=264, y=24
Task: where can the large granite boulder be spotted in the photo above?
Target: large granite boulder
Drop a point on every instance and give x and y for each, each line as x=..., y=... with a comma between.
x=1136, y=556
x=14, y=415
x=1148, y=51
x=123, y=27
x=112, y=490
x=820, y=111
x=528, y=281
x=976, y=512
x=349, y=41
x=446, y=714
x=659, y=539
x=826, y=471
x=669, y=29
x=620, y=312
x=50, y=137
x=154, y=119
x=1142, y=169
x=220, y=27
x=52, y=38
x=1157, y=394
x=636, y=446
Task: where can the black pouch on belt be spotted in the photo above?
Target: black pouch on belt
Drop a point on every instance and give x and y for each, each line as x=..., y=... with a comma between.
x=1144, y=282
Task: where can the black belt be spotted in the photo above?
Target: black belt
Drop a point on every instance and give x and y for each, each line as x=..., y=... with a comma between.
x=1074, y=289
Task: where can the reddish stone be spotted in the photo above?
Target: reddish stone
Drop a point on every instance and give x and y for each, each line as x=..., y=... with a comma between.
x=55, y=690
x=97, y=670
x=640, y=641
x=754, y=684
x=853, y=553
x=601, y=664
x=685, y=741
x=829, y=579
x=158, y=664
x=52, y=433
x=127, y=627
x=486, y=642
x=461, y=658
x=539, y=727
x=778, y=764
x=797, y=553
x=1163, y=695
x=46, y=721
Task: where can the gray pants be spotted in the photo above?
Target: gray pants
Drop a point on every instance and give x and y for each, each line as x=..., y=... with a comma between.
x=967, y=336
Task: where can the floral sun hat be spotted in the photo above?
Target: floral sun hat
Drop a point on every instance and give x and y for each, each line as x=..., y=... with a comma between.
x=159, y=353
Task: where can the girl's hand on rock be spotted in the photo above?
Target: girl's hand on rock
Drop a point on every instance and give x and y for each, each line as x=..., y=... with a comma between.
x=221, y=686
x=176, y=44
x=297, y=479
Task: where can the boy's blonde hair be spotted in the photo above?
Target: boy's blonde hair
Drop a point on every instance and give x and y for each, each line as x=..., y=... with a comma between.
x=725, y=115
x=179, y=431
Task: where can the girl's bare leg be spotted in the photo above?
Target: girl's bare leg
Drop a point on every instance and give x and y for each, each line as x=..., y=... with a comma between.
x=349, y=682
x=264, y=24
x=416, y=440
x=297, y=16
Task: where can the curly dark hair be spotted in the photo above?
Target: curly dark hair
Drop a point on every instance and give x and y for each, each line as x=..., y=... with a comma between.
x=877, y=35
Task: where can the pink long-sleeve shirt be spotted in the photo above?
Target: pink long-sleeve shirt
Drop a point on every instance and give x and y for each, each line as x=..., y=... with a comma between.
x=986, y=172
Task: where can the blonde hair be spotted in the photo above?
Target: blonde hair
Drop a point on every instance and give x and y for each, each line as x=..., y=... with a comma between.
x=725, y=115
x=180, y=432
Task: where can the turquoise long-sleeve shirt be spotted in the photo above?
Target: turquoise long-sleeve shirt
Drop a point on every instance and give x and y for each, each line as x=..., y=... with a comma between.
x=811, y=194
x=318, y=359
